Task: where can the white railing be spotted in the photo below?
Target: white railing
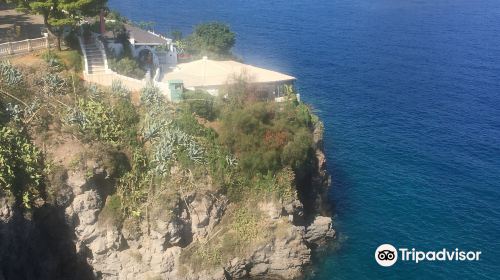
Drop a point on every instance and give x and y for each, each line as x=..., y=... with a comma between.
x=23, y=46
x=285, y=98
x=84, y=52
x=156, y=78
x=147, y=76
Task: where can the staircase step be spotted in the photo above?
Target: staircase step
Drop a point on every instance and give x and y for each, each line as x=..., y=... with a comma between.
x=95, y=58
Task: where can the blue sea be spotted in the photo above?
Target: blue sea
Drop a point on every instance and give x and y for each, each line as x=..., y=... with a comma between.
x=409, y=91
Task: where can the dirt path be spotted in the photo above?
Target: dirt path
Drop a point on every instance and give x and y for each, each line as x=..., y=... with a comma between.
x=16, y=26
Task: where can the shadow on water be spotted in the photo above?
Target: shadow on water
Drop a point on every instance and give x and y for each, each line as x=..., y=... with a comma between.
x=340, y=182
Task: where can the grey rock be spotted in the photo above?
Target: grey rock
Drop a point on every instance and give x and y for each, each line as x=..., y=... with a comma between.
x=259, y=269
x=64, y=196
x=320, y=230
x=237, y=268
x=76, y=180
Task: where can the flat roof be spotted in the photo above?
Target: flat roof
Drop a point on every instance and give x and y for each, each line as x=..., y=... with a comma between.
x=206, y=72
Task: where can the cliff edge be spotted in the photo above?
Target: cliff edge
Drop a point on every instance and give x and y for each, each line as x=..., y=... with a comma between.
x=109, y=189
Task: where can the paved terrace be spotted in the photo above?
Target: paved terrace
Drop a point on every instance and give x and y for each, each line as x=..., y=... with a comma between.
x=16, y=26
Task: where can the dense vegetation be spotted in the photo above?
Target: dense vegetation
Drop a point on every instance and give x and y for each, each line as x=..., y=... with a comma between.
x=127, y=66
x=214, y=39
x=247, y=147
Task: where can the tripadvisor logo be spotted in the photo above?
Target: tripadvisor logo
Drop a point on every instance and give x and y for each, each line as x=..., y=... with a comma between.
x=387, y=255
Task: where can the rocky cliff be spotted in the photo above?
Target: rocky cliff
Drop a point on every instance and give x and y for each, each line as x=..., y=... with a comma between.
x=73, y=237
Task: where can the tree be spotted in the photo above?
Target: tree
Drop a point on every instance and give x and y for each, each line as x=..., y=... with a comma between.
x=212, y=38
x=58, y=14
x=176, y=35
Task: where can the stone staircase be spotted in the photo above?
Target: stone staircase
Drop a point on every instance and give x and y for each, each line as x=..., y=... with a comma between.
x=95, y=58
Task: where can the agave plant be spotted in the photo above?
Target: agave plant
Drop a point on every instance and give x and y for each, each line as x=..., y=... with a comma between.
x=150, y=131
x=53, y=84
x=9, y=74
x=32, y=107
x=74, y=116
x=55, y=64
x=153, y=126
x=118, y=89
x=231, y=160
x=171, y=143
x=53, y=61
x=163, y=154
x=14, y=111
x=94, y=91
x=195, y=152
x=151, y=95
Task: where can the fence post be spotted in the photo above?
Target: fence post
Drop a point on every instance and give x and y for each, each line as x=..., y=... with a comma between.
x=11, y=51
x=47, y=42
x=29, y=45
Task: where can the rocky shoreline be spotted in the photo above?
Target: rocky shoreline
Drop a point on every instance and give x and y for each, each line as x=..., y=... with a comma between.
x=152, y=249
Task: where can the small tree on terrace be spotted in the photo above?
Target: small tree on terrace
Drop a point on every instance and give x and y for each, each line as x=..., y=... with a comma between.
x=212, y=38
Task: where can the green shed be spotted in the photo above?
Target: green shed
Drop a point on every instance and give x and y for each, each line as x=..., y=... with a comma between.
x=176, y=88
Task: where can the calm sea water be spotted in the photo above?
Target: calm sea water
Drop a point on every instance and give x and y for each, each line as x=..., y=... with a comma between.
x=409, y=91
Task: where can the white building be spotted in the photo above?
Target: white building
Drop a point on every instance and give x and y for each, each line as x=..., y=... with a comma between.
x=211, y=75
x=149, y=47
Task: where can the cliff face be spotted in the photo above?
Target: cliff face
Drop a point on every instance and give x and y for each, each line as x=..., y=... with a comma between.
x=76, y=234
x=39, y=246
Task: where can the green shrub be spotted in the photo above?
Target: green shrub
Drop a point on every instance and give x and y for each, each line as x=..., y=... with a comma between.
x=53, y=60
x=201, y=103
x=10, y=75
x=21, y=167
x=185, y=121
x=213, y=38
x=53, y=84
x=151, y=95
x=71, y=40
x=72, y=59
x=127, y=67
x=267, y=136
x=112, y=211
x=94, y=119
x=128, y=118
x=118, y=89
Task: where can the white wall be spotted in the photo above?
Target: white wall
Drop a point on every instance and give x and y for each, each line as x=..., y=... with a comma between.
x=116, y=48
